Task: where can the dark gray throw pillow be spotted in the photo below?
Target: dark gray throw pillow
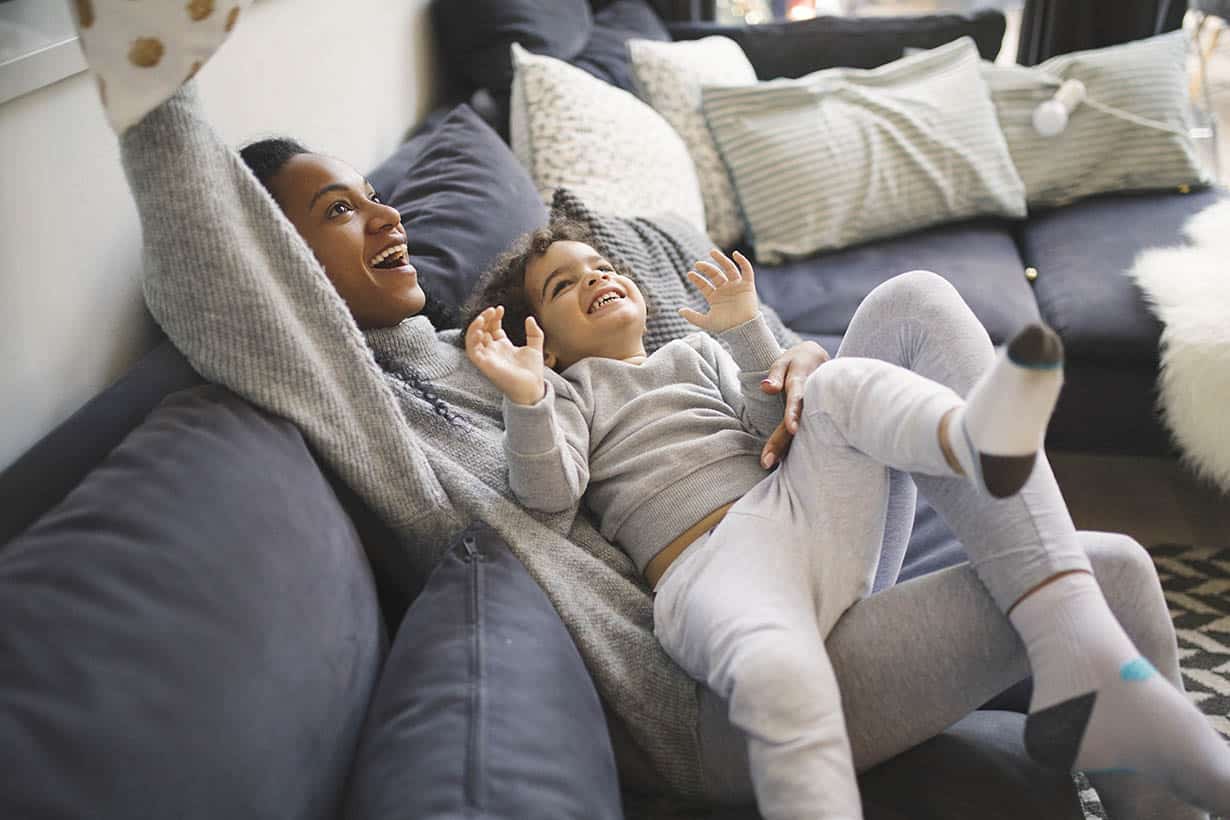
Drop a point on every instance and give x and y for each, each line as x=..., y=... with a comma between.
x=484, y=708
x=463, y=198
x=192, y=633
x=659, y=252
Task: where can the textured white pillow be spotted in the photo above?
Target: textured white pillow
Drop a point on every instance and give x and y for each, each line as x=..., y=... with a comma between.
x=670, y=77
x=141, y=53
x=844, y=155
x=572, y=130
x=1099, y=151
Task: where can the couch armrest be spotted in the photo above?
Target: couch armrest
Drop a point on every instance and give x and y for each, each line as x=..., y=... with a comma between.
x=792, y=49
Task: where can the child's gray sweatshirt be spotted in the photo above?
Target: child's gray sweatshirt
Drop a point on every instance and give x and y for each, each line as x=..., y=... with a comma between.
x=238, y=291
x=656, y=446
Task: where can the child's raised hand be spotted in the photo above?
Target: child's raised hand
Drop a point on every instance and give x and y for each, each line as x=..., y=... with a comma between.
x=729, y=289
x=517, y=371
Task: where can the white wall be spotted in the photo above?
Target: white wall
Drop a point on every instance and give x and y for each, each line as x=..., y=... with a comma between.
x=348, y=79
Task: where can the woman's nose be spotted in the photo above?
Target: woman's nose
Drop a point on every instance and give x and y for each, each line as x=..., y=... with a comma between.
x=601, y=276
x=383, y=217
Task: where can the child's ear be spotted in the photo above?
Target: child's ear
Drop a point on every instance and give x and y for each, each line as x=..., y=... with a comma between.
x=549, y=358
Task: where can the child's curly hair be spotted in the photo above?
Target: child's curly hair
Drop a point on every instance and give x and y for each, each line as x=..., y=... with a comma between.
x=504, y=282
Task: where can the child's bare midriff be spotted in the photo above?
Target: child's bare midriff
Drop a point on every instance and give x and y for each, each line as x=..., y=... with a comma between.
x=658, y=565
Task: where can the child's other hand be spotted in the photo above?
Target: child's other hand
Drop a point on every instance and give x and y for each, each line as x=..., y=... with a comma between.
x=729, y=289
x=517, y=371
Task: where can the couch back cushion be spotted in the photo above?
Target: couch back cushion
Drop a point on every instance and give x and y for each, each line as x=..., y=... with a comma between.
x=475, y=35
x=793, y=49
x=192, y=633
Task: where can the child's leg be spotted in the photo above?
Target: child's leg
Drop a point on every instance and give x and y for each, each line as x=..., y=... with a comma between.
x=735, y=612
x=1096, y=705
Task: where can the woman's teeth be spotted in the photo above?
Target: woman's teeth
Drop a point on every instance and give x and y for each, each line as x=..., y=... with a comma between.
x=393, y=256
x=603, y=301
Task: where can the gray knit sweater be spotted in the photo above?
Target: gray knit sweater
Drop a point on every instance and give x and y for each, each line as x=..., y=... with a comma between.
x=655, y=446
x=239, y=292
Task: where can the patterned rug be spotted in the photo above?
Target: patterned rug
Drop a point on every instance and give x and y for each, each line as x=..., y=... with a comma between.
x=1196, y=581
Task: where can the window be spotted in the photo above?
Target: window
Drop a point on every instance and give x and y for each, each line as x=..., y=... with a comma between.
x=763, y=11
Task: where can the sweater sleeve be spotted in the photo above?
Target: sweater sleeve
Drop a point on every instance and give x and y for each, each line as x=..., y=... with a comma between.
x=238, y=291
x=547, y=446
x=753, y=349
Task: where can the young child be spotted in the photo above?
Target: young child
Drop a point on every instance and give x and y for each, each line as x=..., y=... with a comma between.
x=751, y=570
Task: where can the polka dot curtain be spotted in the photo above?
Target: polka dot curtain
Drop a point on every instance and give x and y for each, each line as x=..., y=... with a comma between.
x=141, y=51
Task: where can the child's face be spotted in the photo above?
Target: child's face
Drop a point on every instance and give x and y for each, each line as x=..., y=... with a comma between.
x=584, y=307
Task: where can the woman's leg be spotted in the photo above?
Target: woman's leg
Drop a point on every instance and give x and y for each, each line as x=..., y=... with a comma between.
x=1097, y=704
x=916, y=658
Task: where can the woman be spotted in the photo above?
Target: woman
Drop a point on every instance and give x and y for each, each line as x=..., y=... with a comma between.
x=296, y=302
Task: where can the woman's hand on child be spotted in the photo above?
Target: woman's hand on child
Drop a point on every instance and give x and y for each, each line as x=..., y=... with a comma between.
x=789, y=373
x=730, y=290
x=516, y=371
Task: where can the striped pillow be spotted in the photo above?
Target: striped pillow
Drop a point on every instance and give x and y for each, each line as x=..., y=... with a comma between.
x=843, y=155
x=1097, y=151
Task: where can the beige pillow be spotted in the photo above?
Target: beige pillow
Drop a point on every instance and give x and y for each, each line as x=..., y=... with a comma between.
x=1101, y=151
x=670, y=77
x=572, y=130
x=844, y=156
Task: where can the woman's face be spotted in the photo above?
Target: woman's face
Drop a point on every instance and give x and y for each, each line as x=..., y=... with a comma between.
x=357, y=239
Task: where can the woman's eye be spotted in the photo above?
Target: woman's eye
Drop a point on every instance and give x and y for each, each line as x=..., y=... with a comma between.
x=375, y=197
x=337, y=208
x=559, y=287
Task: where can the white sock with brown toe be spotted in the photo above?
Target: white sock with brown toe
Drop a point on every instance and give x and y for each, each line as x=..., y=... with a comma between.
x=997, y=434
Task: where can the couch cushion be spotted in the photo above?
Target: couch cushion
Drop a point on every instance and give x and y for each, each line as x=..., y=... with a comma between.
x=475, y=35
x=818, y=295
x=792, y=49
x=1081, y=253
x=606, y=54
x=192, y=633
x=484, y=707
x=463, y=198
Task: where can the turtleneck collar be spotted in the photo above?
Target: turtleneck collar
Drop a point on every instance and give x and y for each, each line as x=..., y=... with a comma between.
x=414, y=344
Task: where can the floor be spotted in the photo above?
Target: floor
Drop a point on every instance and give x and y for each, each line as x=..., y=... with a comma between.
x=1154, y=500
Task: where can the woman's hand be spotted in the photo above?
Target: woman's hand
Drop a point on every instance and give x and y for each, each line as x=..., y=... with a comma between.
x=729, y=289
x=517, y=371
x=789, y=373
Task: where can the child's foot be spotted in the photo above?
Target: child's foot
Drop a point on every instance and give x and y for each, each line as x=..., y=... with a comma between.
x=997, y=434
x=1098, y=706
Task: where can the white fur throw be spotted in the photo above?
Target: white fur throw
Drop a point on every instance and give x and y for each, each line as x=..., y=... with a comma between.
x=1188, y=288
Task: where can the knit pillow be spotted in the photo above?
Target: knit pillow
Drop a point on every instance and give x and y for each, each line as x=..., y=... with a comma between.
x=1099, y=150
x=572, y=130
x=140, y=53
x=658, y=251
x=670, y=77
